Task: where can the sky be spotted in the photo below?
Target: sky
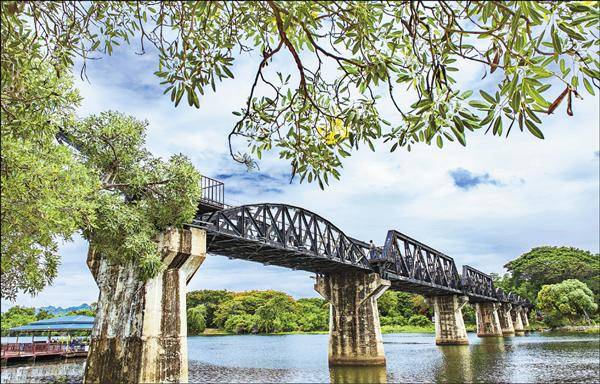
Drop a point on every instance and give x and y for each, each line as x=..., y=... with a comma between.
x=483, y=205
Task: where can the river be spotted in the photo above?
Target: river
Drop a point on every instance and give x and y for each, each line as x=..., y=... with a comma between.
x=537, y=357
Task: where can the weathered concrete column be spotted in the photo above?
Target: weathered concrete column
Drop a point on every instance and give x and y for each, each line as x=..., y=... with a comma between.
x=140, y=331
x=449, y=324
x=517, y=321
x=488, y=321
x=354, y=331
x=506, y=320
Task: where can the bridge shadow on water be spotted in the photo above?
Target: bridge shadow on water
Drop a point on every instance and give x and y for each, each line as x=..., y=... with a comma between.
x=351, y=375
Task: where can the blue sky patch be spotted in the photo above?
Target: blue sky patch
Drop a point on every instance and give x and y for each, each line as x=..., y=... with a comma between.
x=465, y=179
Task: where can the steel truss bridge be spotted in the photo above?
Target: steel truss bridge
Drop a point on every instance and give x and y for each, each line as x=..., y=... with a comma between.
x=293, y=237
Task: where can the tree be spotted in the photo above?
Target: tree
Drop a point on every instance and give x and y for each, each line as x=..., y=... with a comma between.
x=46, y=193
x=419, y=321
x=15, y=317
x=346, y=57
x=61, y=175
x=196, y=320
x=566, y=302
x=82, y=312
x=43, y=314
x=244, y=323
x=277, y=315
x=210, y=299
x=551, y=265
x=312, y=314
x=396, y=308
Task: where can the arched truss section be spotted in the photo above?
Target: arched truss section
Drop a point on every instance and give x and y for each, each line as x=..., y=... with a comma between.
x=416, y=267
x=282, y=235
x=478, y=285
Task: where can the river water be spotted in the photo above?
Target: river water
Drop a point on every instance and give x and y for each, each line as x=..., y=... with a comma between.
x=537, y=357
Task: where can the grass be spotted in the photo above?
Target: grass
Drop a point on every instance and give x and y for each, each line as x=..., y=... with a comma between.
x=406, y=329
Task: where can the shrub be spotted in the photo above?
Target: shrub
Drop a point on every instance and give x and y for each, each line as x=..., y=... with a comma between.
x=244, y=323
x=419, y=321
x=196, y=320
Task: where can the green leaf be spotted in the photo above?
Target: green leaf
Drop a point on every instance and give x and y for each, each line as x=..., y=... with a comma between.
x=488, y=97
x=497, y=126
x=533, y=129
x=588, y=86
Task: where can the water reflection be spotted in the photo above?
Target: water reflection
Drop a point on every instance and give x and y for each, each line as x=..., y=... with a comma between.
x=353, y=375
x=456, y=364
x=410, y=358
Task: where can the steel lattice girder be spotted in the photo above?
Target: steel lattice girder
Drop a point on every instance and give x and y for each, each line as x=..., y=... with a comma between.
x=293, y=237
x=282, y=235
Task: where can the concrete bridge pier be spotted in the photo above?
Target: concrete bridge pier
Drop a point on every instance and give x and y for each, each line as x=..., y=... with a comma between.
x=354, y=331
x=449, y=324
x=488, y=321
x=517, y=320
x=506, y=322
x=140, y=331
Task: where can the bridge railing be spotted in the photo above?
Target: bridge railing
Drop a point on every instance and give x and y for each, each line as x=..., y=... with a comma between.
x=213, y=195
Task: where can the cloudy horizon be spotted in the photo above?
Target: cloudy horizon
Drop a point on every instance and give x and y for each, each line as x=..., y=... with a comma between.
x=483, y=205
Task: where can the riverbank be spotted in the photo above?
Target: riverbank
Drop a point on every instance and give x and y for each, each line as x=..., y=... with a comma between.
x=586, y=329
x=384, y=329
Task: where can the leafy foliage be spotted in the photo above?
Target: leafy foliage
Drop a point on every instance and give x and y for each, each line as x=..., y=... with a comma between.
x=210, y=299
x=46, y=194
x=261, y=311
x=15, y=317
x=349, y=59
x=44, y=314
x=550, y=265
x=566, y=303
x=82, y=312
x=140, y=194
x=196, y=320
x=419, y=321
x=396, y=308
x=60, y=175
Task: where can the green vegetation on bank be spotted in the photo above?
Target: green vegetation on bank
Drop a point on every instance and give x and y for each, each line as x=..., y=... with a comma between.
x=562, y=282
x=565, y=294
x=268, y=312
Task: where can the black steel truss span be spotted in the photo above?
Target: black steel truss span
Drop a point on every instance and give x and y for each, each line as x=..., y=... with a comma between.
x=415, y=267
x=293, y=237
x=282, y=235
x=478, y=285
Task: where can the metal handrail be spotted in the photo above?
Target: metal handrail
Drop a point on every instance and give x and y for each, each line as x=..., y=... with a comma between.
x=213, y=192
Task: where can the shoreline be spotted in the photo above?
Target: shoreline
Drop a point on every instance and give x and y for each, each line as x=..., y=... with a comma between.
x=385, y=329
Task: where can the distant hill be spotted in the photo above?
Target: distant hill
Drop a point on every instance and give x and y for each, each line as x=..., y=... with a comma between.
x=60, y=310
